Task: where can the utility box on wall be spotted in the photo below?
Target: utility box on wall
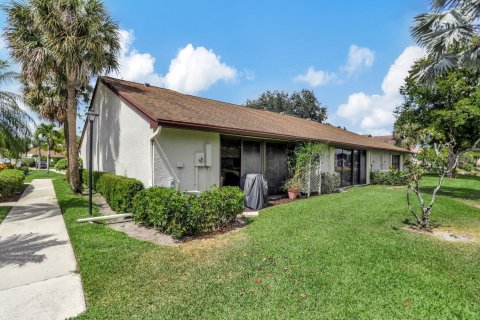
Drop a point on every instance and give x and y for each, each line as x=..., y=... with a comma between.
x=199, y=159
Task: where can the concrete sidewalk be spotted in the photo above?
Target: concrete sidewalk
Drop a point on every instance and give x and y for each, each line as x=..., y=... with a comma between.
x=37, y=263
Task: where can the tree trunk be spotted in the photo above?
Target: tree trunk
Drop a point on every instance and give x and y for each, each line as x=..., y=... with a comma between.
x=451, y=163
x=65, y=133
x=48, y=159
x=73, y=170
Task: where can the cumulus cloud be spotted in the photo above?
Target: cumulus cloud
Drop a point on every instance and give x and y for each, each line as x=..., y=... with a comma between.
x=314, y=77
x=374, y=113
x=359, y=58
x=196, y=69
x=191, y=71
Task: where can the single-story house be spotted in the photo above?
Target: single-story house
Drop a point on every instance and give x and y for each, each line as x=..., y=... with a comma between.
x=166, y=138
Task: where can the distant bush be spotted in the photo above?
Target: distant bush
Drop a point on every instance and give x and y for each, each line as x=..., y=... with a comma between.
x=330, y=182
x=467, y=167
x=393, y=177
x=2, y=166
x=62, y=164
x=177, y=214
x=29, y=162
x=11, y=180
x=24, y=169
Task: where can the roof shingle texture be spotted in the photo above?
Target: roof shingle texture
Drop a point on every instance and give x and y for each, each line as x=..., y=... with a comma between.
x=171, y=108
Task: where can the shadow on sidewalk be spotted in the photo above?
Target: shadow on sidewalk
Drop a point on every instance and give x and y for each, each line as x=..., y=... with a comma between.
x=22, y=248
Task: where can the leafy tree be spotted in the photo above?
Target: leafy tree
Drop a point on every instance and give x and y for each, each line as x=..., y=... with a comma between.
x=303, y=104
x=72, y=39
x=13, y=120
x=450, y=110
x=450, y=33
x=49, y=137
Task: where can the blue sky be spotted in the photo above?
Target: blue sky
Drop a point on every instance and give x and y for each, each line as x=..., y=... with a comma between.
x=353, y=54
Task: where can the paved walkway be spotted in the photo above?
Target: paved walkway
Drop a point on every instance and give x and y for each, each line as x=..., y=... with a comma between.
x=37, y=263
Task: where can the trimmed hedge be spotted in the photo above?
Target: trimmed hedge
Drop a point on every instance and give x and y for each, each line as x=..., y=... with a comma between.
x=61, y=164
x=118, y=191
x=330, y=182
x=11, y=180
x=393, y=178
x=177, y=214
x=24, y=169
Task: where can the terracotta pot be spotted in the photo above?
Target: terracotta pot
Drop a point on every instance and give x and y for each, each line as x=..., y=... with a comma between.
x=292, y=194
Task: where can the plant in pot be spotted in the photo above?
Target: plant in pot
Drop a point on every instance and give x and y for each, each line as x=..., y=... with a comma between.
x=292, y=186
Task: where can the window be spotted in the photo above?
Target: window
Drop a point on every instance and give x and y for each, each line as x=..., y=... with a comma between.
x=396, y=161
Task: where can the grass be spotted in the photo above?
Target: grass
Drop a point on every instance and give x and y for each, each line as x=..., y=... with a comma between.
x=335, y=256
x=4, y=210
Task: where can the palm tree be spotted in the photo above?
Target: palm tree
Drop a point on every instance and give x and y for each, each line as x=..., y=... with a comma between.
x=50, y=137
x=450, y=34
x=73, y=38
x=13, y=120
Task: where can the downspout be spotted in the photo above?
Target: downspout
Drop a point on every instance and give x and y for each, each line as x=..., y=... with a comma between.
x=164, y=158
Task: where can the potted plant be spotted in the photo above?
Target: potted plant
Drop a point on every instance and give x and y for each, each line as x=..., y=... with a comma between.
x=292, y=186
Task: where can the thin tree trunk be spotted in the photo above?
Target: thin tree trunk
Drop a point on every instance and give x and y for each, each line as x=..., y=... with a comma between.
x=452, y=172
x=48, y=159
x=65, y=133
x=72, y=137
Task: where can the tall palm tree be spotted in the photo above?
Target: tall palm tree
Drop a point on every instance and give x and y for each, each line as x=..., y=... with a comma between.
x=50, y=137
x=13, y=120
x=450, y=34
x=74, y=38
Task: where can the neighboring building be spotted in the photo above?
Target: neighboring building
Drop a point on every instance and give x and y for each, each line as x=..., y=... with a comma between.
x=166, y=138
x=34, y=152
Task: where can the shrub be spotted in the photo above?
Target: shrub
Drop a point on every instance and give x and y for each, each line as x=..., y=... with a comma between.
x=177, y=214
x=11, y=180
x=29, y=162
x=61, y=164
x=2, y=166
x=467, y=166
x=24, y=169
x=393, y=177
x=118, y=191
x=162, y=208
x=215, y=209
x=96, y=177
x=330, y=182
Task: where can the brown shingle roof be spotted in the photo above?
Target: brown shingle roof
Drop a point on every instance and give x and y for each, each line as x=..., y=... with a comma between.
x=170, y=108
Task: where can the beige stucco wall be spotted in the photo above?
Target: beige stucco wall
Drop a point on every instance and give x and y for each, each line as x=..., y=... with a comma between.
x=174, y=154
x=121, y=138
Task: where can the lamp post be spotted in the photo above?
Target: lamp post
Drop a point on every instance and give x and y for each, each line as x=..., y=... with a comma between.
x=91, y=115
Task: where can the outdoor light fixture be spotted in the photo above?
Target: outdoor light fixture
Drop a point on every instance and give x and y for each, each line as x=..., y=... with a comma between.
x=91, y=116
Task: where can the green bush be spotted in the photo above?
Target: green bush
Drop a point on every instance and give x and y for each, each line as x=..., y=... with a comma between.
x=330, y=182
x=29, y=162
x=215, y=209
x=24, y=169
x=11, y=180
x=96, y=177
x=467, y=166
x=118, y=190
x=163, y=208
x=393, y=177
x=177, y=214
x=61, y=164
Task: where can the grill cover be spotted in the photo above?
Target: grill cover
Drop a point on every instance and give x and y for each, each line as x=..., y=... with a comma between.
x=255, y=187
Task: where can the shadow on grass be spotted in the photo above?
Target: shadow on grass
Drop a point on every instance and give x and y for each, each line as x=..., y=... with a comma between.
x=455, y=192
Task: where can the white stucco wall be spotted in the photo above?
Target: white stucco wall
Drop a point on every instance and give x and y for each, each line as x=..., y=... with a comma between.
x=382, y=160
x=121, y=138
x=179, y=147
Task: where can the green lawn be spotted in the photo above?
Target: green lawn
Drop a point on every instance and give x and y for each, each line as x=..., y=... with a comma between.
x=337, y=256
x=3, y=212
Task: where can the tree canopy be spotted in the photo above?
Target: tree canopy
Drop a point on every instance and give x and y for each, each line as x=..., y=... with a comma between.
x=450, y=34
x=303, y=104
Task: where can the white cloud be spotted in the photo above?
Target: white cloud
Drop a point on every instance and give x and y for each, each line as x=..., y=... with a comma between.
x=196, y=69
x=191, y=71
x=359, y=58
x=374, y=113
x=315, y=78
